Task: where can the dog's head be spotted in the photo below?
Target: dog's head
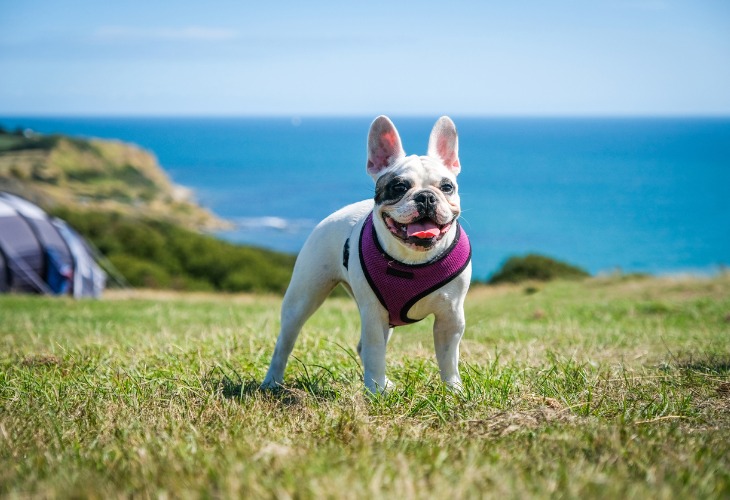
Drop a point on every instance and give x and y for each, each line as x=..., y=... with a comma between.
x=416, y=197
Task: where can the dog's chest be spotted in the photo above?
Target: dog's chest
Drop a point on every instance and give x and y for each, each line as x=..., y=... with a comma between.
x=399, y=286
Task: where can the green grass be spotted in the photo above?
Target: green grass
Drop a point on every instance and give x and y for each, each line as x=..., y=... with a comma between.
x=606, y=388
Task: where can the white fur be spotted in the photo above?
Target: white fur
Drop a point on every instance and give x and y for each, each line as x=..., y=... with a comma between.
x=319, y=266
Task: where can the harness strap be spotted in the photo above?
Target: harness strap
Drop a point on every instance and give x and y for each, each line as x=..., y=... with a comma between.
x=346, y=254
x=399, y=286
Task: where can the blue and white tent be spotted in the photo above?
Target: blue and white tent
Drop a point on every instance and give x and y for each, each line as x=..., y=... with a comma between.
x=41, y=254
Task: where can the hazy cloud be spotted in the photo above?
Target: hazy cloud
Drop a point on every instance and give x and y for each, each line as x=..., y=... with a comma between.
x=649, y=5
x=568, y=57
x=189, y=33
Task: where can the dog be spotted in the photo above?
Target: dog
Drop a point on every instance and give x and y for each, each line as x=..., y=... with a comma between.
x=402, y=256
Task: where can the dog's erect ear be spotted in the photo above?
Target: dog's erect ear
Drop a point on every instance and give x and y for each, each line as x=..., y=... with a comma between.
x=384, y=146
x=444, y=144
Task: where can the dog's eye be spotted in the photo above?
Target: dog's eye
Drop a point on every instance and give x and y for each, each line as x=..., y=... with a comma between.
x=399, y=188
x=447, y=188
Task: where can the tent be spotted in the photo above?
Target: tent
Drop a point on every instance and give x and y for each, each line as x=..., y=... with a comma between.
x=41, y=254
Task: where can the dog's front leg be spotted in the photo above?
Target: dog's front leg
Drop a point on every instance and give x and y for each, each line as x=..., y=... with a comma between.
x=373, y=341
x=447, y=332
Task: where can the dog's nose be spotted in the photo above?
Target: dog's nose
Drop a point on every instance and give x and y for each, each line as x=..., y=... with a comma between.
x=425, y=197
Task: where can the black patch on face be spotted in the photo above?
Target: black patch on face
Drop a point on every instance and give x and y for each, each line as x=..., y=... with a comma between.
x=390, y=188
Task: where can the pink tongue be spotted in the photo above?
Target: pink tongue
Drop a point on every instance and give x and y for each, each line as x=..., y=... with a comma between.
x=426, y=229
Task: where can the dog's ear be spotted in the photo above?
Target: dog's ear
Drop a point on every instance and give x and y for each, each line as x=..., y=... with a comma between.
x=384, y=146
x=444, y=144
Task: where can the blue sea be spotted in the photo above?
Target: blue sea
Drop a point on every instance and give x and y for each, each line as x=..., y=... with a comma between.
x=608, y=194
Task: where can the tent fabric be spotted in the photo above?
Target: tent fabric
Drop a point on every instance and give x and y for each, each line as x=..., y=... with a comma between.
x=57, y=259
x=4, y=287
x=88, y=278
x=41, y=225
x=23, y=253
x=43, y=255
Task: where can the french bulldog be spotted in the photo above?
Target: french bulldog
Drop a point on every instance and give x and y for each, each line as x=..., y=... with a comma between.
x=402, y=256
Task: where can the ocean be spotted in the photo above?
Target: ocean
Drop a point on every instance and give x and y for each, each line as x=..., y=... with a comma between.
x=607, y=194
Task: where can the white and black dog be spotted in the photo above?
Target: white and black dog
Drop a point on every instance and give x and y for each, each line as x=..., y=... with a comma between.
x=402, y=256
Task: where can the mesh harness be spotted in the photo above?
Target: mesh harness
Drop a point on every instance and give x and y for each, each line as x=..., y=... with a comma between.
x=397, y=285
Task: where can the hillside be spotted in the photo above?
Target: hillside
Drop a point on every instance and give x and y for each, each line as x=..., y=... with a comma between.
x=149, y=229
x=95, y=174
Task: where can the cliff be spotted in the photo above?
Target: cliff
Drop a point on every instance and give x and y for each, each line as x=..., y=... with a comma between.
x=118, y=197
x=96, y=175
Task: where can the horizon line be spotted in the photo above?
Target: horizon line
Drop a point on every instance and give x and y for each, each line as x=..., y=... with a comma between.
x=280, y=115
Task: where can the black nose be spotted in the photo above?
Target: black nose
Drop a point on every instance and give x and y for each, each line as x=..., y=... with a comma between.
x=427, y=198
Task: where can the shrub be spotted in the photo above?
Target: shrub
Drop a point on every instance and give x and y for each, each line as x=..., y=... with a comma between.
x=155, y=254
x=535, y=267
x=141, y=273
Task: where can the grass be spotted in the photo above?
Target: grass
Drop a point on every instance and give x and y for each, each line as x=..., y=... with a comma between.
x=606, y=388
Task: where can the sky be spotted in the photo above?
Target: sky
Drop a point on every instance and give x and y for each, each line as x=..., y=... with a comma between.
x=482, y=58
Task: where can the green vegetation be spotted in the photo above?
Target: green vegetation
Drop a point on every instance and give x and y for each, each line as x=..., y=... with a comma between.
x=535, y=267
x=603, y=388
x=56, y=170
x=118, y=197
x=157, y=254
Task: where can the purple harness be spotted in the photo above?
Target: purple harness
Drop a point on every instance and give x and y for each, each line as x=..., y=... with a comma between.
x=398, y=286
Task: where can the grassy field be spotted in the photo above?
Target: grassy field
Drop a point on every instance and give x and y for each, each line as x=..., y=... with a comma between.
x=607, y=388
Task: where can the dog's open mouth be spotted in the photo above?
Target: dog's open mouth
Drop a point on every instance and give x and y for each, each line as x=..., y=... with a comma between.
x=423, y=232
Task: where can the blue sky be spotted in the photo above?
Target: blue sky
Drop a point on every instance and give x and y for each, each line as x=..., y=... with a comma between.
x=562, y=57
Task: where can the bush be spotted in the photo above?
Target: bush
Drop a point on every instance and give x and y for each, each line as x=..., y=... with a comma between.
x=535, y=267
x=141, y=273
x=154, y=254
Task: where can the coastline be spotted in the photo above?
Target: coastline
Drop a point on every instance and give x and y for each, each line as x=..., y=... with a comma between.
x=638, y=194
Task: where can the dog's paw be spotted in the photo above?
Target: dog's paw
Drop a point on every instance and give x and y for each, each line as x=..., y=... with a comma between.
x=455, y=386
x=375, y=389
x=389, y=386
x=270, y=384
